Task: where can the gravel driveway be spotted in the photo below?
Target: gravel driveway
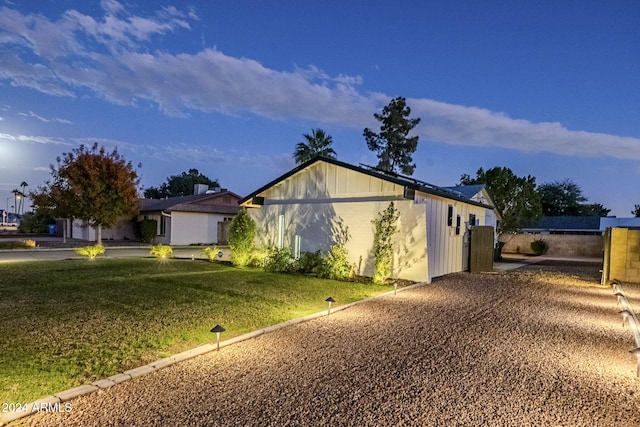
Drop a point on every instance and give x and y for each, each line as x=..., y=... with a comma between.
x=521, y=348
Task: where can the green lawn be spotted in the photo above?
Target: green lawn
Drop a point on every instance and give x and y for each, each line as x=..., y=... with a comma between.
x=66, y=323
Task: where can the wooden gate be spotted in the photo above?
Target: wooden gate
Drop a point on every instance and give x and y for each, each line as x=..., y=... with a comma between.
x=481, y=253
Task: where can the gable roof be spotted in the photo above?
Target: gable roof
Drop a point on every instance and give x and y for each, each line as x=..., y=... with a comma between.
x=201, y=203
x=392, y=177
x=467, y=191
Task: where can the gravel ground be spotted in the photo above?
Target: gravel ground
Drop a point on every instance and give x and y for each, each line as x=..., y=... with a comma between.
x=527, y=347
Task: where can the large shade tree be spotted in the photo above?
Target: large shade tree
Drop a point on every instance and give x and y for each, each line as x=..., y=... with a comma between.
x=92, y=185
x=317, y=143
x=393, y=145
x=565, y=198
x=179, y=185
x=515, y=197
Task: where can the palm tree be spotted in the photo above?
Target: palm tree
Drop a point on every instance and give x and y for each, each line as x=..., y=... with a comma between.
x=318, y=143
x=23, y=186
x=16, y=193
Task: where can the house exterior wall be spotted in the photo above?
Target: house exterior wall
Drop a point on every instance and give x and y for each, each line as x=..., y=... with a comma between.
x=327, y=204
x=447, y=249
x=164, y=238
x=192, y=227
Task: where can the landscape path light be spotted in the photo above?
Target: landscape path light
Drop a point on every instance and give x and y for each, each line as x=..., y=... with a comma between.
x=636, y=352
x=217, y=329
x=329, y=300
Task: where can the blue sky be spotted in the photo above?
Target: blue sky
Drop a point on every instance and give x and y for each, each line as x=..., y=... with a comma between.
x=547, y=88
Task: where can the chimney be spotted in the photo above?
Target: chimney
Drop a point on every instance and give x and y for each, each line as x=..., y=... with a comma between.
x=200, y=188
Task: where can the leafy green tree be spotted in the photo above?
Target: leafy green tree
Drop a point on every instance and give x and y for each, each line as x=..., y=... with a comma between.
x=594, y=209
x=515, y=197
x=561, y=198
x=386, y=226
x=394, y=147
x=636, y=211
x=35, y=222
x=179, y=185
x=92, y=185
x=565, y=198
x=318, y=143
x=242, y=233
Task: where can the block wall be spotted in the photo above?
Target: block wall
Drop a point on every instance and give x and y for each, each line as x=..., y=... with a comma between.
x=624, y=263
x=559, y=244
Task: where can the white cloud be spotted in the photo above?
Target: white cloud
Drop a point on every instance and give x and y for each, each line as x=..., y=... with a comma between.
x=109, y=56
x=31, y=114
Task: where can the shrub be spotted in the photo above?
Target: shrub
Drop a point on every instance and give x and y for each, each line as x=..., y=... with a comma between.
x=90, y=251
x=35, y=222
x=29, y=243
x=335, y=265
x=258, y=257
x=211, y=252
x=539, y=246
x=385, y=227
x=280, y=261
x=147, y=230
x=310, y=262
x=242, y=233
x=161, y=251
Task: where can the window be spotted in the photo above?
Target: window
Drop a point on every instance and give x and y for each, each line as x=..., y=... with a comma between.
x=280, y=231
x=296, y=247
x=457, y=225
x=450, y=216
x=163, y=225
x=472, y=220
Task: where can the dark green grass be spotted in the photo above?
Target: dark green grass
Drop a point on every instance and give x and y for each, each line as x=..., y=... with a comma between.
x=66, y=323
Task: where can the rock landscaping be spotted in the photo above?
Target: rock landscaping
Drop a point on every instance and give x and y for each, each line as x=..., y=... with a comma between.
x=543, y=345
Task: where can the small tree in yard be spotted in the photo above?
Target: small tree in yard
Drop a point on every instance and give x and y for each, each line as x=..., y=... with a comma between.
x=385, y=228
x=241, y=238
x=92, y=185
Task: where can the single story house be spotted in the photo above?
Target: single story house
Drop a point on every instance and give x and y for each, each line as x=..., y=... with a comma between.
x=199, y=218
x=325, y=201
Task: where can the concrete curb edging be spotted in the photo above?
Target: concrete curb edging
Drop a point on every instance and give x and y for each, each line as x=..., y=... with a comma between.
x=55, y=403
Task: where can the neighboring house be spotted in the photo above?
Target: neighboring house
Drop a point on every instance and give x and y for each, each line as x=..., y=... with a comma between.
x=199, y=218
x=576, y=225
x=613, y=222
x=565, y=236
x=324, y=201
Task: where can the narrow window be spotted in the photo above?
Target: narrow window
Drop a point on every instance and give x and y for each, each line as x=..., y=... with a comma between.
x=450, y=216
x=163, y=225
x=458, y=225
x=472, y=220
x=296, y=247
x=280, y=231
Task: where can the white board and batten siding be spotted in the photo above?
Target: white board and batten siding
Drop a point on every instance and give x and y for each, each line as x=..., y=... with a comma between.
x=318, y=205
x=445, y=247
